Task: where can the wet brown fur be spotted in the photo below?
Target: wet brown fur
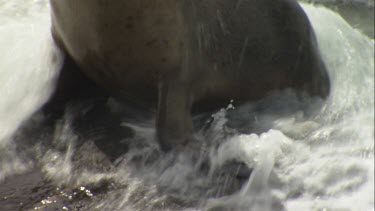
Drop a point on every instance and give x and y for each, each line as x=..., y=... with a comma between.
x=189, y=51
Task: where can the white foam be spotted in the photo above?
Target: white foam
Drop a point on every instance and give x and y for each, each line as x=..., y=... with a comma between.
x=29, y=62
x=260, y=153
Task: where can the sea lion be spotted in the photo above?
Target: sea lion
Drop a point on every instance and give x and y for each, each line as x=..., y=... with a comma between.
x=180, y=52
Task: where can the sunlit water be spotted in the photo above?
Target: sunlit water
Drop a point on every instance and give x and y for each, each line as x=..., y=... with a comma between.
x=304, y=154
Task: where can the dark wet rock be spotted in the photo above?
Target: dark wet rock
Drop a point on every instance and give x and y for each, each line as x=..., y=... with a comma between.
x=21, y=192
x=88, y=157
x=230, y=177
x=76, y=198
x=94, y=121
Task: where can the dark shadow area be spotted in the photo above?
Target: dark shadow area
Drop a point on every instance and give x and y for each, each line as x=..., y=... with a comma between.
x=85, y=105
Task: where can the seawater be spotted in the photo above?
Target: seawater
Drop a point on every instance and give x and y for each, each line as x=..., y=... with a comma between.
x=305, y=154
x=29, y=64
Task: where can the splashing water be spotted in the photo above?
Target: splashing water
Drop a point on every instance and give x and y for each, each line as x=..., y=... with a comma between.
x=308, y=154
x=29, y=64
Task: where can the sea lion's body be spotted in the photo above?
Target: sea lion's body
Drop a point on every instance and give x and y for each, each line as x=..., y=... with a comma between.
x=122, y=45
x=191, y=51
